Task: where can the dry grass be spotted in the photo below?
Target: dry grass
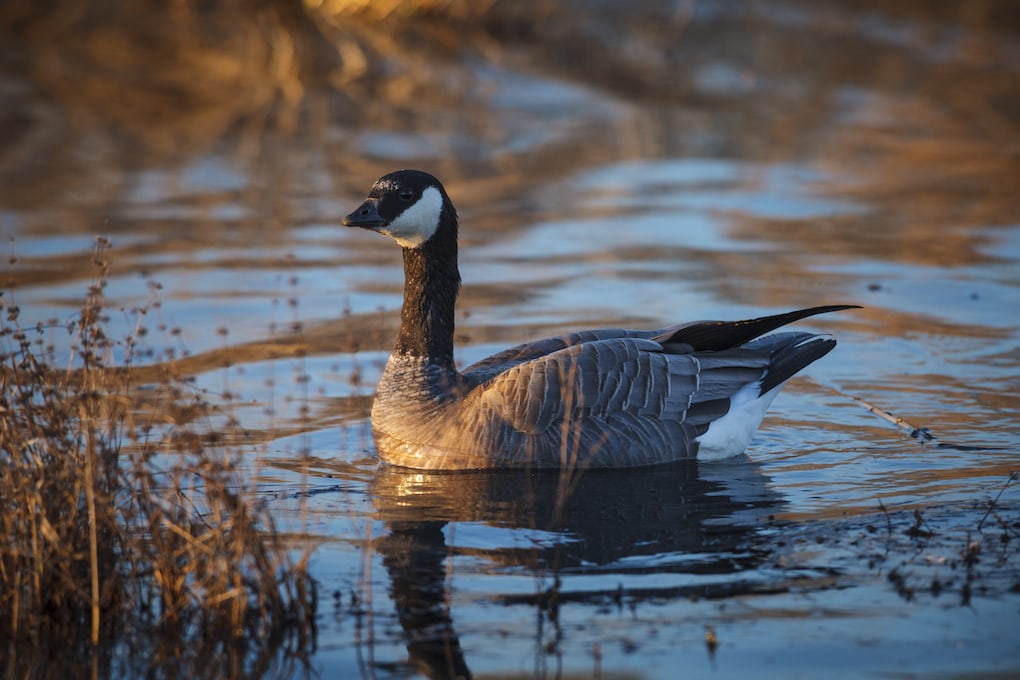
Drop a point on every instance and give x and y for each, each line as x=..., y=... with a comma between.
x=121, y=531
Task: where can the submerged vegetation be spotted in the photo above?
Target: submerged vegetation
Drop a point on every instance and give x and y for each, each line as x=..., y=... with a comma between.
x=125, y=524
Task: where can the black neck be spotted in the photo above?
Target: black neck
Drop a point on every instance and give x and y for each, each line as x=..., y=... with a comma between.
x=431, y=283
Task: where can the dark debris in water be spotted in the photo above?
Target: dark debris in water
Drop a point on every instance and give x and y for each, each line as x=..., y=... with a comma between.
x=716, y=591
x=930, y=552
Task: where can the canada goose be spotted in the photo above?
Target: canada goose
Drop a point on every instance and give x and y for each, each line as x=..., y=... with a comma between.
x=596, y=398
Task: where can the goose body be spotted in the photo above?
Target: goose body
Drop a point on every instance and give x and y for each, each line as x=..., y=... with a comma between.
x=595, y=398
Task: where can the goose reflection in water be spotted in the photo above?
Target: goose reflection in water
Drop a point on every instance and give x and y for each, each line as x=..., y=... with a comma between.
x=680, y=519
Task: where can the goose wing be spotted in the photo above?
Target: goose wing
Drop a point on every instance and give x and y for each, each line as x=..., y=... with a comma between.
x=623, y=401
x=630, y=394
x=633, y=377
x=529, y=351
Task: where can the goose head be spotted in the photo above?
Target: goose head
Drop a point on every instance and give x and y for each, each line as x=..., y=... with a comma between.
x=409, y=206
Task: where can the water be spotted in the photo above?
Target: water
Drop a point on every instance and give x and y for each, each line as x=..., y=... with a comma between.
x=730, y=162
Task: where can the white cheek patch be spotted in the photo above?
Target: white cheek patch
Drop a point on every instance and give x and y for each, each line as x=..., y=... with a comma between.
x=419, y=222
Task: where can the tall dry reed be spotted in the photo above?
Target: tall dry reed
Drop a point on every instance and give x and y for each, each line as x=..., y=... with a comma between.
x=122, y=520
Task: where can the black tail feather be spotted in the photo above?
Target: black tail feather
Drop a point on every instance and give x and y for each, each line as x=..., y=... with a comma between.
x=792, y=355
x=716, y=336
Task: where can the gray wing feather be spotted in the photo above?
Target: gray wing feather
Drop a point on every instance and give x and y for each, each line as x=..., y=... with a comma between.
x=725, y=372
x=626, y=397
x=529, y=351
x=600, y=384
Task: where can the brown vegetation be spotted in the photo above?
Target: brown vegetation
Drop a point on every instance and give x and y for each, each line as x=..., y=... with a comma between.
x=122, y=530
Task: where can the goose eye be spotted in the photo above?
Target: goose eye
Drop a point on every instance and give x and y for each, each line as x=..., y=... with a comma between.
x=406, y=194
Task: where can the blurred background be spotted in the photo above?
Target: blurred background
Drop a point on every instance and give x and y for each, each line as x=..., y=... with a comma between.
x=183, y=127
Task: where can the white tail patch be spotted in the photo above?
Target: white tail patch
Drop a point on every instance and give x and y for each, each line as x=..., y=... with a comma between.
x=729, y=436
x=419, y=222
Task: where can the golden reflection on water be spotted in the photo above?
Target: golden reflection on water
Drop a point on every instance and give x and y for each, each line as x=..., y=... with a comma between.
x=929, y=143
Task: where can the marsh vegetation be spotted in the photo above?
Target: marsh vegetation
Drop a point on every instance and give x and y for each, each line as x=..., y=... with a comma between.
x=130, y=541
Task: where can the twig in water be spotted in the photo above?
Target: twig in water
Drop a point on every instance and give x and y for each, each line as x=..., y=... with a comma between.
x=1013, y=476
x=888, y=528
x=922, y=434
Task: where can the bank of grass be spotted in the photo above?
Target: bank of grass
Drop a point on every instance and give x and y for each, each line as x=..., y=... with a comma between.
x=125, y=525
